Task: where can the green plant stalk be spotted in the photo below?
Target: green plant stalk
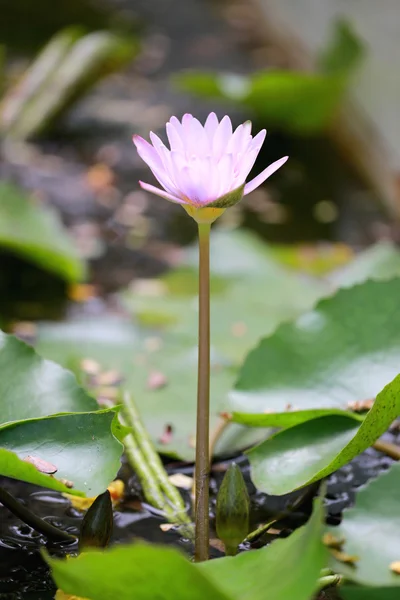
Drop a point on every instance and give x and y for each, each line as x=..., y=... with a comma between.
x=153, y=460
x=151, y=490
x=149, y=484
x=202, y=533
x=28, y=517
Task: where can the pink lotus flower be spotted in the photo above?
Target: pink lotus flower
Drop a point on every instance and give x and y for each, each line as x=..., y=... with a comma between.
x=205, y=166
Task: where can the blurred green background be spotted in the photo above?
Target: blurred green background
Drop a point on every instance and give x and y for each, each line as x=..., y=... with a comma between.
x=77, y=81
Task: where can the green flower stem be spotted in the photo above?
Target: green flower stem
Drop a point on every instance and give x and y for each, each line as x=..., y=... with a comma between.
x=151, y=458
x=150, y=488
x=28, y=517
x=203, y=400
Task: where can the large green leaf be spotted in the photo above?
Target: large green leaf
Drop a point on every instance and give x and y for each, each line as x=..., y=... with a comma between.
x=139, y=571
x=345, y=350
x=380, y=262
x=289, y=418
x=31, y=387
x=81, y=446
x=313, y=449
x=17, y=468
x=371, y=531
x=147, y=572
x=35, y=232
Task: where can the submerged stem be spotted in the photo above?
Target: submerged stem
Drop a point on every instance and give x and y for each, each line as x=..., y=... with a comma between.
x=28, y=517
x=203, y=400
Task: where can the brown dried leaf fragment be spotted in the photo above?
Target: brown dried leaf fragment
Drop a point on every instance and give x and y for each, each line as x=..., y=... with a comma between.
x=332, y=541
x=348, y=559
x=41, y=465
x=361, y=405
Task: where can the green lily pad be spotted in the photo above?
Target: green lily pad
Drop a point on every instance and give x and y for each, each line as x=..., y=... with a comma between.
x=31, y=387
x=312, y=450
x=371, y=531
x=36, y=233
x=141, y=571
x=17, y=468
x=289, y=418
x=81, y=446
x=345, y=350
x=379, y=262
x=146, y=572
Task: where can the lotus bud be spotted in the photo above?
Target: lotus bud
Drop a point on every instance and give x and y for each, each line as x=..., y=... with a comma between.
x=233, y=507
x=97, y=524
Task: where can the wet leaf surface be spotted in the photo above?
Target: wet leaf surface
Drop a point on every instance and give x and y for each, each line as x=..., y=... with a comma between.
x=80, y=445
x=371, y=530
